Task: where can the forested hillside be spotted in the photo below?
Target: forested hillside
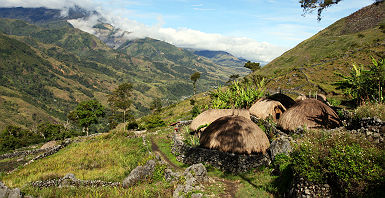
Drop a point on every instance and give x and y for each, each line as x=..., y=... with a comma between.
x=49, y=68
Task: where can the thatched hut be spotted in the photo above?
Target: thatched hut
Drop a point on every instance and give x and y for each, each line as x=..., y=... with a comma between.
x=235, y=134
x=209, y=116
x=311, y=113
x=285, y=100
x=262, y=109
x=319, y=97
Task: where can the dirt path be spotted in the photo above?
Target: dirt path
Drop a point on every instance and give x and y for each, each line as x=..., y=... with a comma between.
x=231, y=187
x=156, y=150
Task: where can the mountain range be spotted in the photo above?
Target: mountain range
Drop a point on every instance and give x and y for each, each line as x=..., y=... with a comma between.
x=48, y=66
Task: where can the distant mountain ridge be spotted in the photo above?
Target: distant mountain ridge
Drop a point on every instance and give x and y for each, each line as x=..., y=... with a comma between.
x=58, y=66
x=43, y=15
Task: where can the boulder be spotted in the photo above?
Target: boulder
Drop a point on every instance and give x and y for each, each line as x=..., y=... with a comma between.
x=4, y=191
x=139, y=173
x=197, y=171
x=15, y=193
x=280, y=145
x=49, y=144
x=194, y=175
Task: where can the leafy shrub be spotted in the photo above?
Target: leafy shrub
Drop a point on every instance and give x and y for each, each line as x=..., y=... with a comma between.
x=370, y=110
x=195, y=111
x=132, y=125
x=54, y=131
x=349, y=163
x=237, y=95
x=153, y=121
x=13, y=137
x=362, y=84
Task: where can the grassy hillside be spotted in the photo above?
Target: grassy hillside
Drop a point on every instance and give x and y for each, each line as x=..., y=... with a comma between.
x=53, y=68
x=312, y=63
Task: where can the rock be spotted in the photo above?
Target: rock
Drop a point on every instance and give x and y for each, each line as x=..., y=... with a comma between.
x=280, y=145
x=49, y=144
x=70, y=176
x=15, y=193
x=382, y=129
x=178, y=192
x=139, y=173
x=4, y=191
x=10, y=193
x=197, y=195
x=194, y=175
x=197, y=171
x=169, y=175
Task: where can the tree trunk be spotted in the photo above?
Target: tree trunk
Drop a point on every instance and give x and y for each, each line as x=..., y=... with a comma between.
x=124, y=121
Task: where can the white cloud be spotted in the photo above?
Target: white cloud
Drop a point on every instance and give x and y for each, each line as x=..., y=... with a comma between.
x=181, y=37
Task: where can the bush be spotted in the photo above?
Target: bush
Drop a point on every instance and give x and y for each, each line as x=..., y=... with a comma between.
x=371, y=110
x=153, y=121
x=13, y=137
x=364, y=85
x=349, y=163
x=237, y=95
x=195, y=111
x=54, y=131
x=131, y=125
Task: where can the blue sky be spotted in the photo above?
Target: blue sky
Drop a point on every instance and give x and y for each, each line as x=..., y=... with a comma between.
x=259, y=30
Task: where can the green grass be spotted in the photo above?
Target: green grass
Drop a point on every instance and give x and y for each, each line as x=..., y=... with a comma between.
x=165, y=144
x=158, y=189
x=371, y=110
x=106, y=157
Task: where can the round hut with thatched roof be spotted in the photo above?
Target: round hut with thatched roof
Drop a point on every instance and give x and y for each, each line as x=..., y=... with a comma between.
x=309, y=113
x=285, y=100
x=209, y=116
x=265, y=108
x=235, y=134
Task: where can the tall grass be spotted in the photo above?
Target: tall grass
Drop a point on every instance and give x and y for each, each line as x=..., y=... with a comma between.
x=106, y=157
x=237, y=95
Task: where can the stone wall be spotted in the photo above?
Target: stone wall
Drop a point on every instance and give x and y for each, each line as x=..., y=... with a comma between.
x=372, y=128
x=228, y=162
x=303, y=188
x=71, y=180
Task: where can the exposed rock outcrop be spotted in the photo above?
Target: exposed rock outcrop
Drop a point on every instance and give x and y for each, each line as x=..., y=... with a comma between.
x=194, y=175
x=139, y=173
x=6, y=192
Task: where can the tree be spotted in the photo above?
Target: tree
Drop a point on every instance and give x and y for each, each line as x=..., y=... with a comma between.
x=252, y=66
x=120, y=98
x=194, y=77
x=87, y=113
x=232, y=78
x=156, y=105
x=320, y=5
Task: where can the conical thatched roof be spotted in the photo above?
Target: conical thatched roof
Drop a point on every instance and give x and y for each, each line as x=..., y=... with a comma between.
x=209, y=116
x=311, y=113
x=285, y=100
x=235, y=134
x=320, y=97
x=266, y=107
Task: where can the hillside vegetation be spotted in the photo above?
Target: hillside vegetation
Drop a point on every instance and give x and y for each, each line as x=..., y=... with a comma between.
x=50, y=68
x=351, y=40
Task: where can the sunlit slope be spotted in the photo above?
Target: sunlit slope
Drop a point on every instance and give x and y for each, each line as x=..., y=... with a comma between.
x=312, y=63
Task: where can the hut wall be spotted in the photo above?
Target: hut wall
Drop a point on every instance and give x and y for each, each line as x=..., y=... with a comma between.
x=228, y=162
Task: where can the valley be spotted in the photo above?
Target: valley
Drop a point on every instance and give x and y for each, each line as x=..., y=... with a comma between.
x=96, y=113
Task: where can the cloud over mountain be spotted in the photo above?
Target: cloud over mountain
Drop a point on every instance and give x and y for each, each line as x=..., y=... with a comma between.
x=182, y=37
